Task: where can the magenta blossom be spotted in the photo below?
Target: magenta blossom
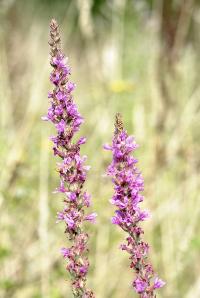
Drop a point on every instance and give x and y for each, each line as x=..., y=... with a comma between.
x=128, y=185
x=91, y=217
x=158, y=283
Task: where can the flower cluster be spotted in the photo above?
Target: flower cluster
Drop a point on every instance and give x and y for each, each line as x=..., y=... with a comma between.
x=67, y=120
x=128, y=185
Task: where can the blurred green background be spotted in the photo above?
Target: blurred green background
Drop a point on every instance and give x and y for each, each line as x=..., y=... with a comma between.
x=141, y=58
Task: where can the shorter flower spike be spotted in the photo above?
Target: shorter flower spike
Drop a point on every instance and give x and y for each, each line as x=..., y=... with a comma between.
x=128, y=186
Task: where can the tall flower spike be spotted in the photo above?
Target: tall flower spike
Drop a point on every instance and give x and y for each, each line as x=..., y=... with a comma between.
x=128, y=185
x=64, y=115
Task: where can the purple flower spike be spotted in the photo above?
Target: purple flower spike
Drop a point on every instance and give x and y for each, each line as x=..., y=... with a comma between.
x=128, y=185
x=63, y=113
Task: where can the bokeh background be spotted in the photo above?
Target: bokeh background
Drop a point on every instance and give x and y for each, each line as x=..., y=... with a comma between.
x=141, y=58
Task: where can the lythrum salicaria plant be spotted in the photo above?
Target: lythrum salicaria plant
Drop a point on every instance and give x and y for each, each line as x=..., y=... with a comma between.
x=128, y=185
x=64, y=115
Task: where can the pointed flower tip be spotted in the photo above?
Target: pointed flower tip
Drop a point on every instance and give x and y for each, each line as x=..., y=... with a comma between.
x=53, y=22
x=118, y=124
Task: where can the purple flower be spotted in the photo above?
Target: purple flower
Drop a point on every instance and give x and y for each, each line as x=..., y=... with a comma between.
x=143, y=215
x=60, y=216
x=72, y=196
x=83, y=269
x=61, y=95
x=158, y=283
x=65, y=252
x=70, y=87
x=70, y=222
x=86, y=199
x=58, y=110
x=63, y=113
x=91, y=217
x=128, y=185
x=140, y=285
x=59, y=61
x=115, y=220
x=81, y=141
x=61, y=126
x=107, y=147
x=55, y=77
